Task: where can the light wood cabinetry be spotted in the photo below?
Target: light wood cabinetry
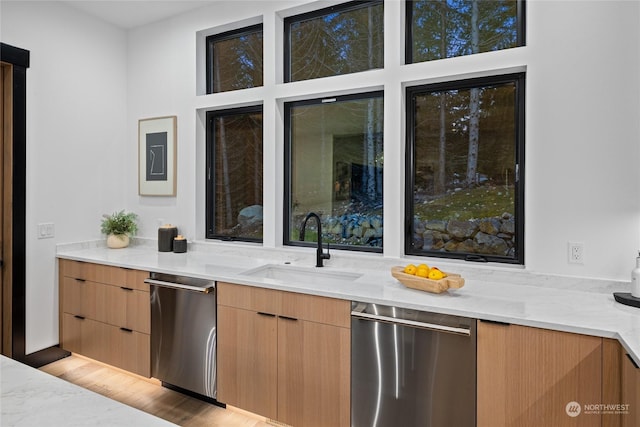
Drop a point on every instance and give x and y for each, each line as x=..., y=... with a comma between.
x=630, y=393
x=105, y=314
x=528, y=376
x=284, y=355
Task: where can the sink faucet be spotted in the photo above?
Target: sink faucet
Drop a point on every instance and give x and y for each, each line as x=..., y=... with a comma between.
x=320, y=255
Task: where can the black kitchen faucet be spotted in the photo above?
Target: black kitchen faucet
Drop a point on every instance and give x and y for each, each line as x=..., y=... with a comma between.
x=320, y=255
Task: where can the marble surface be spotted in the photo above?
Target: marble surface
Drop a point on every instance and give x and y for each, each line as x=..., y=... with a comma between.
x=32, y=398
x=506, y=294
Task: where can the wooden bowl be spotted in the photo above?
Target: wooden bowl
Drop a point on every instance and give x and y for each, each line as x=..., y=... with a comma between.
x=454, y=281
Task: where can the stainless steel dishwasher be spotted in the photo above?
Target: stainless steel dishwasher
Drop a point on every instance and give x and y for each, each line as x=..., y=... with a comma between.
x=183, y=333
x=411, y=368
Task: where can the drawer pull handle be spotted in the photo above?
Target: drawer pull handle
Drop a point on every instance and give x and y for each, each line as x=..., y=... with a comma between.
x=78, y=317
x=288, y=318
x=126, y=330
x=78, y=279
x=261, y=313
x=124, y=288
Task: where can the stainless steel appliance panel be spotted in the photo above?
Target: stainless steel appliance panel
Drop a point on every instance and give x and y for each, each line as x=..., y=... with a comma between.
x=411, y=368
x=183, y=334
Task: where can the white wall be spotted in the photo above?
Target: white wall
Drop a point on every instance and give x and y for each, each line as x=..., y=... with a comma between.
x=90, y=83
x=582, y=127
x=76, y=141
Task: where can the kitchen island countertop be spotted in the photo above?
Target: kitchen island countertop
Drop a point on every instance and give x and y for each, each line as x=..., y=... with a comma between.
x=34, y=398
x=502, y=294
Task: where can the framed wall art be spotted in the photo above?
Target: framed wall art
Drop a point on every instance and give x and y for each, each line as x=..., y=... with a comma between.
x=157, y=156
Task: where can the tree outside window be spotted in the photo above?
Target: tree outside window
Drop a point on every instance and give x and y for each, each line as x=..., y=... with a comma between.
x=342, y=39
x=234, y=174
x=438, y=29
x=465, y=168
x=234, y=60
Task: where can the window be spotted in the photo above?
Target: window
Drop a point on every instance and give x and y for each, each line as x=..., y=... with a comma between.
x=449, y=28
x=234, y=174
x=465, y=169
x=342, y=39
x=234, y=60
x=334, y=165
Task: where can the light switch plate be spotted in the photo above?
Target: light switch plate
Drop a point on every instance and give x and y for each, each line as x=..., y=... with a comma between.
x=46, y=230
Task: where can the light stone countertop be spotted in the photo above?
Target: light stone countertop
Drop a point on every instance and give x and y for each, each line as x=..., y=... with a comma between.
x=32, y=398
x=505, y=294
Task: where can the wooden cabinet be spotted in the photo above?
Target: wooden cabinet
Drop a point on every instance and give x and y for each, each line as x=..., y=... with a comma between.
x=105, y=314
x=630, y=391
x=528, y=376
x=284, y=355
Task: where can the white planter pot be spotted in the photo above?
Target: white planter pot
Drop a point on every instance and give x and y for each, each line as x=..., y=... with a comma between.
x=117, y=241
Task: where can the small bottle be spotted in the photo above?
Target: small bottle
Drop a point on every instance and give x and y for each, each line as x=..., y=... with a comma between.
x=635, y=279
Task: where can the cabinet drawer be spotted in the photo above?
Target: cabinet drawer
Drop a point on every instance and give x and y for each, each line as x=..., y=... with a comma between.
x=330, y=311
x=104, y=274
x=84, y=336
x=76, y=269
x=128, y=350
x=249, y=298
x=79, y=297
x=128, y=308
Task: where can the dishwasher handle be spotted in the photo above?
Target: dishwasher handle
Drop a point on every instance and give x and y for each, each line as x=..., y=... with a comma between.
x=180, y=286
x=410, y=323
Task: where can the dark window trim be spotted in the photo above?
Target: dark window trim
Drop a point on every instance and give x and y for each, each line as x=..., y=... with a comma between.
x=227, y=35
x=287, y=166
x=519, y=80
x=210, y=204
x=408, y=28
x=344, y=7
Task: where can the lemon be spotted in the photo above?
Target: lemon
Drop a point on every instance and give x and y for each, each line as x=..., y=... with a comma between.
x=435, y=274
x=410, y=269
x=422, y=272
x=425, y=266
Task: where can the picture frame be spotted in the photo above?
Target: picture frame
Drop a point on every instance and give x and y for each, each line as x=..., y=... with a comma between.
x=157, y=156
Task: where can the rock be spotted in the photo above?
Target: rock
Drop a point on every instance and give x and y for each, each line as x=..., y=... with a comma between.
x=490, y=226
x=508, y=226
x=488, y=244
x=418, y=226
x=469, y=246
x=462, y=230
x=251, y=216
x=436, y=225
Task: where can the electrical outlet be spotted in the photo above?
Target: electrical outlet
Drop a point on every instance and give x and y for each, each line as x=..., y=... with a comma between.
x=46, y=230
x=576, y=253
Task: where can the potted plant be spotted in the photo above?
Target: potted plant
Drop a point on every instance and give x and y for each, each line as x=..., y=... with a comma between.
x=119, y=227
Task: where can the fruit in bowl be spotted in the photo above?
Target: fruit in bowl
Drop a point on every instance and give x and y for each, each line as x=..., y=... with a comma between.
x=426, y=278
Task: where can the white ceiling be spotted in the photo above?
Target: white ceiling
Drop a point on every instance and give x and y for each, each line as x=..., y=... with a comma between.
x=129, y=14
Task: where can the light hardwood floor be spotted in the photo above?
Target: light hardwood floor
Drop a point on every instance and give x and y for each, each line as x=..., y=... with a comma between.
x=148, y=395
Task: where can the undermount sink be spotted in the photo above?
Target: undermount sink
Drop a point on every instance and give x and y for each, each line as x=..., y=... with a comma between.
x=300, y=275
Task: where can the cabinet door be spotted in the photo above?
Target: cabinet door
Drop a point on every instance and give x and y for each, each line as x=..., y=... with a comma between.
x=630, y=392
x=528, y=376
x=313, y=374
x=247, y=360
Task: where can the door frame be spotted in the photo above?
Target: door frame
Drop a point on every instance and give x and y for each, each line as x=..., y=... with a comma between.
x=18, y=62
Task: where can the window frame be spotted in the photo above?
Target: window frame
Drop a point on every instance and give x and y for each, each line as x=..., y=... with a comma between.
x=521, y=8
x=286, y=217
x=227, y=35
x=210, y=153
x=343, y=7
x=520, y=80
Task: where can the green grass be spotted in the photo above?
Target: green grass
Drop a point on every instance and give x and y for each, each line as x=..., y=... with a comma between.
x=466, y=204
